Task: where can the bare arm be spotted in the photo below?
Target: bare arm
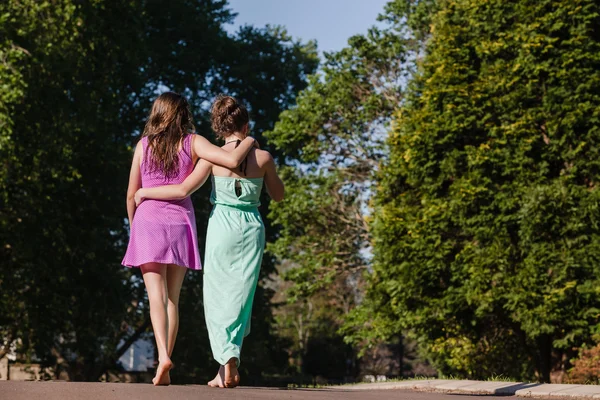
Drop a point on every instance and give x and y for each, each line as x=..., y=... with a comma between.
x=180, y=191
x=272, y=181
x=216, y=155
x=135, y=181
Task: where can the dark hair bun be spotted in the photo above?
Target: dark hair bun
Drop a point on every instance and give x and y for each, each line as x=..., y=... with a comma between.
x=227, y=115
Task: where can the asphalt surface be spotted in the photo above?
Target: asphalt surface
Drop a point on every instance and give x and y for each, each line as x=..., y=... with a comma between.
x=19, y=390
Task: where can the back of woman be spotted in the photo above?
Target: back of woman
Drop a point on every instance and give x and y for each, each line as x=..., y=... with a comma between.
x=235, y=188
x=240, y=186
x=165, y=231
x=151, y=177
x=235, y=240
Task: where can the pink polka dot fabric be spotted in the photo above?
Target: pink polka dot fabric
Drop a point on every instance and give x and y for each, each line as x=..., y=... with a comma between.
x=164, y=231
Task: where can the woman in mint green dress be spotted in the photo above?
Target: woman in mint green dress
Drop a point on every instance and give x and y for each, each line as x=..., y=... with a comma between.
x=235, y=239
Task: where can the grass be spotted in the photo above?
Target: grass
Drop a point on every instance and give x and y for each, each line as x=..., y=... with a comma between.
x=501, y=378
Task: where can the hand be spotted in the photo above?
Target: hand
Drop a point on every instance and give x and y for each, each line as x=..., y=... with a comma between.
x=256, y=144
x=139, y=197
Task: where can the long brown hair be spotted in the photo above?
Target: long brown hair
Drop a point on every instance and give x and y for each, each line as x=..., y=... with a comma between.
x=169, y=121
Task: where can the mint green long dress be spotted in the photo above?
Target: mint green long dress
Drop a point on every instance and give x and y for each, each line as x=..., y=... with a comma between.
x=235, y=241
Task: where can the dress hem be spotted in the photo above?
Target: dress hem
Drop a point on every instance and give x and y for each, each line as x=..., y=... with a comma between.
x=137, y=265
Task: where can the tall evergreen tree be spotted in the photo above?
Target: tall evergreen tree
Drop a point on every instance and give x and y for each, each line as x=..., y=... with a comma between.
x=486, y=225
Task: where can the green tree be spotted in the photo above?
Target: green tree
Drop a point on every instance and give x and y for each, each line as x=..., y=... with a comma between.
x=60, y=225
x=333, y=141
x=77, y=79
x=486, y=224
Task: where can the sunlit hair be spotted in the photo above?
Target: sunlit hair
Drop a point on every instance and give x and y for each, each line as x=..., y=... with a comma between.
x=227, y=116
x=169, y=121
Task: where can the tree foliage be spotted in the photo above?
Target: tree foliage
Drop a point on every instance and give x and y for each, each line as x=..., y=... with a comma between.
x=76, y=80
x=333, y=141
x=486, y=226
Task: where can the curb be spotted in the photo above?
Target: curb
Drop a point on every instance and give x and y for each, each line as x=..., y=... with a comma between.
x=520, y=389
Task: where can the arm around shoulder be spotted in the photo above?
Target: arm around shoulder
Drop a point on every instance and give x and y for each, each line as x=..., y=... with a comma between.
x=216, y=155
x=179, y=191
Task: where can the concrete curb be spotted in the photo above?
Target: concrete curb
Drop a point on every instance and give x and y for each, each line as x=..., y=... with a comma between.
x=538, y=390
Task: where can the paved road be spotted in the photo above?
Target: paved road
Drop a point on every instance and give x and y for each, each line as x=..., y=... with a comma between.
x=16, y=390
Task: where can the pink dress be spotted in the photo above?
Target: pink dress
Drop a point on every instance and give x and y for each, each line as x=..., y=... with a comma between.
x=164, y=231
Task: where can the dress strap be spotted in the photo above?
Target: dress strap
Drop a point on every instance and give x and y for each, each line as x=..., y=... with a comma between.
x=144, y=147
x=189, y=146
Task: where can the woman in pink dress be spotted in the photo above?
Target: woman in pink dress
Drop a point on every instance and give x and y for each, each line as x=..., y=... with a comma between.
x=163, y=239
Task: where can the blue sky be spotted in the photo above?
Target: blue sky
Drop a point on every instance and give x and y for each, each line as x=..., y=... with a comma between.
x=330, y=22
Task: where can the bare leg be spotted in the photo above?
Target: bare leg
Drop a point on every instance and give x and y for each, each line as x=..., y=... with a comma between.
x=218, y=381
x=175, y=276
x=232, y=376
x=155, y=278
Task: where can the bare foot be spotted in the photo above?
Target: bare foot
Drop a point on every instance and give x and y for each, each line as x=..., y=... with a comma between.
x=162, y=377
x=232, y=376
x=218, y=381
